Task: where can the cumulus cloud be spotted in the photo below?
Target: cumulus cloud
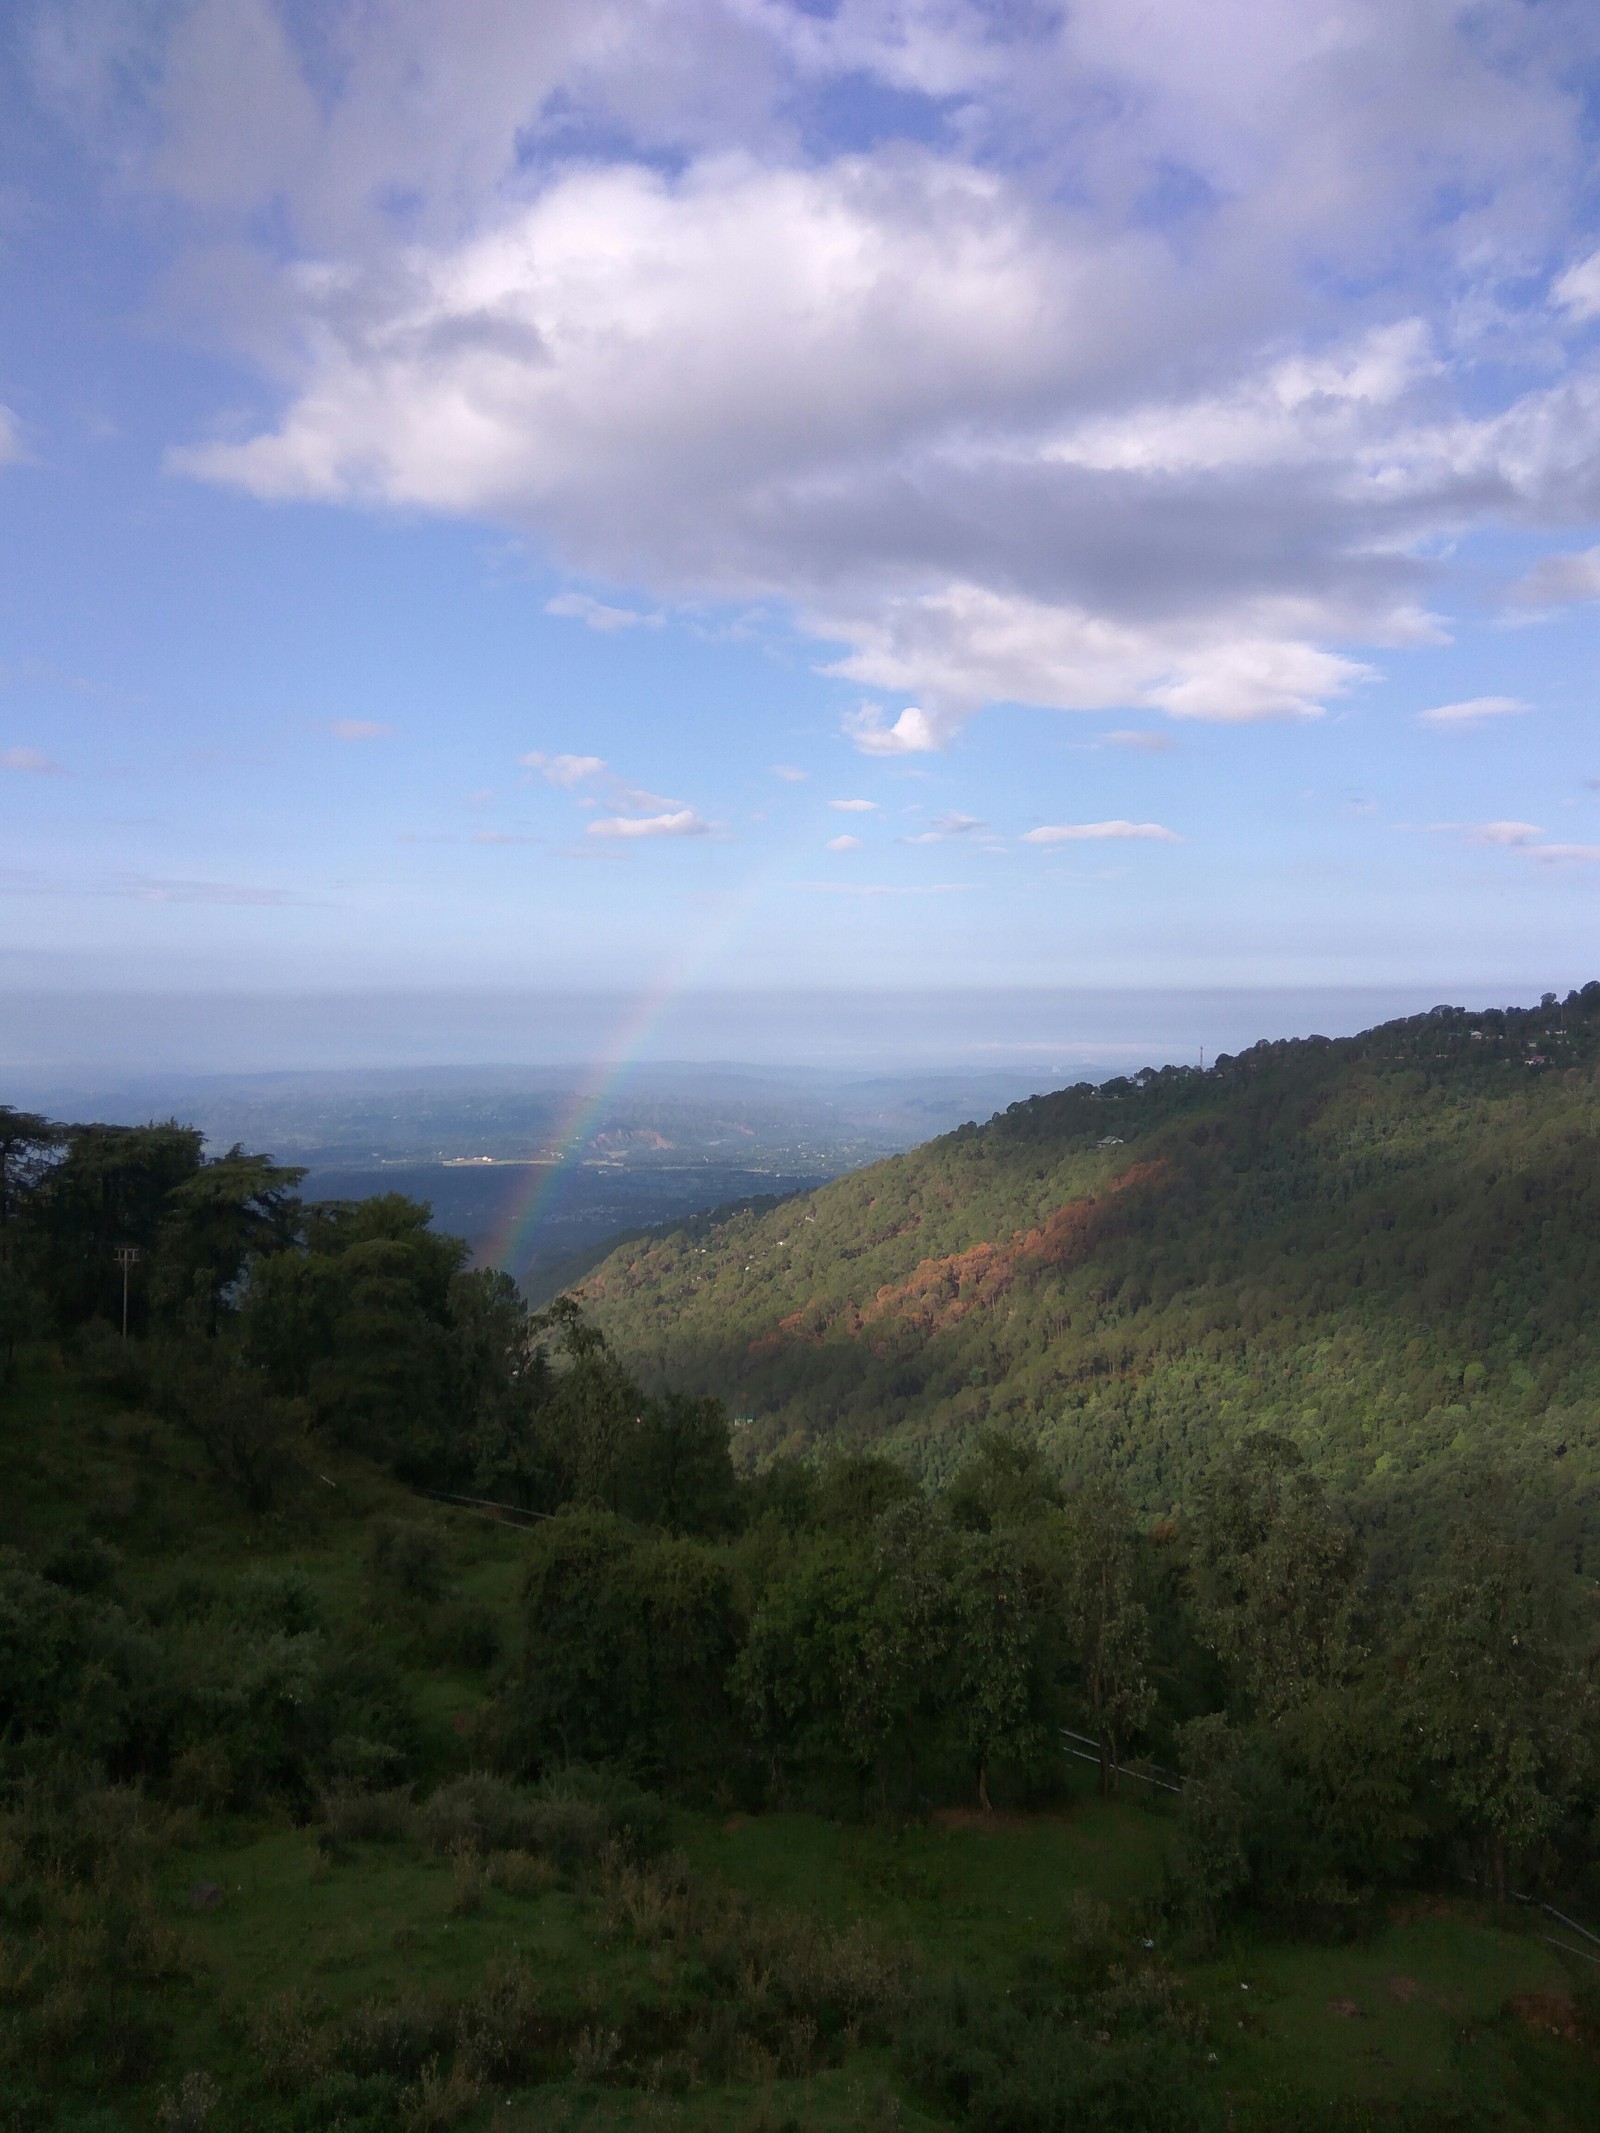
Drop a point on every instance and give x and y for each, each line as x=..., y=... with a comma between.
x=844, y=844
x=854, y=807
x=789, y=774
x=1526, y=838
x=684, y=823
x=1472, y=712
x=1147, y=743
x=28, y=759
x=944, y=827
x=1094, y=832
x=566, y=771
x=597, y=615
x=1035, y=395
x=914, y=732
x=1561, y=580
x=967, y=645
x=1512, y=833
x=359, y=729
x=1578, y=290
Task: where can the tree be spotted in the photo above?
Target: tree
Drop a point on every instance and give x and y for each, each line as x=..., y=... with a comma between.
x=1005, y=1483
x=629, y=1642
x=678, y=1470
x=1503, y=1705
x=995, y=1607
x=29, y=1144
x=1107, y=1623
x=358, y=1320
x=110, y=1187
x=246, y=1431
x=232, y=1210
x=1274, y=1573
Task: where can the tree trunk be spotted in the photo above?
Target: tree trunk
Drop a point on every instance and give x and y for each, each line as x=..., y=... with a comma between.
x=983, y=1786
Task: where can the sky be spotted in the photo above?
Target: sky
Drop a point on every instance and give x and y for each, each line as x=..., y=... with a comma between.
x=661, y=497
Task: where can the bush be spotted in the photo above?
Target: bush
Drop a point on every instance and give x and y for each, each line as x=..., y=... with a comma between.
x=396, y=2036
x=478, y=1813
x=282, y=1603
x=82, y=1562
x=983, y=2061
x=570, y=1818
x=368, y=1817
x=409, y=1558
x=110, y=1365
x=499, y=2033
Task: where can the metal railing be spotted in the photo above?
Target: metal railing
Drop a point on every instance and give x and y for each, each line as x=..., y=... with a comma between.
x=1166, y=1779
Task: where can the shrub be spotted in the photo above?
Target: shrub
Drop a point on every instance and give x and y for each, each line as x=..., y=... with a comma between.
x=480, y=1813
x=571, y=1817
x=189, y=2108
x=82, y=1562
x=290, y=2045
x=397, y=2036
x=410, y=1558
x=980, y=2058
x=499, y=2034
x=281, y=1603
x=368, y=1817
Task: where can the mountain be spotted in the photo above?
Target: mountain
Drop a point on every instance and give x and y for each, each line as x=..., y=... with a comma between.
x=1385, y=1247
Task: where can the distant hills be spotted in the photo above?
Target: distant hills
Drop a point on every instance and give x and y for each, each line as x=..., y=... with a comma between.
x=1386, y=1247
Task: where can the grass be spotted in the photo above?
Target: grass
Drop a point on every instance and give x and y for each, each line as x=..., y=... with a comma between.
x=1416, y=2011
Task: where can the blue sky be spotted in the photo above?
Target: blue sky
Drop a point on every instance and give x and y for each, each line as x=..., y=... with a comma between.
x=877, y=496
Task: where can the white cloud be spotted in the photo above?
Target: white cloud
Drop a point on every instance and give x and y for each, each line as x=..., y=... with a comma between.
x=844, y=844
x=11, y=451
x=789, y=774
x=566, y=771
x=1146, y=743
x=685, y=823
x=1578, y=290
x=596, y=615
x=1472, y=712
x=1032, y=398
x=1561, y=580
x=967, y=645
x=854, y=807
x=1094, y=832
x=501, y=837
x=945, y=827
x=28, y=759
x=914, y=732
x=359, y=729
x=1524, y=838
x=1510, y=833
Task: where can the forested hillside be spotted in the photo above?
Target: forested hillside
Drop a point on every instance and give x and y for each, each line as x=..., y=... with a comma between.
x=1386, y=1248
x=410, y=1721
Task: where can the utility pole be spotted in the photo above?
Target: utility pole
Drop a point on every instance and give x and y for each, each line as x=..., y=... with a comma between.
x=126, y=1256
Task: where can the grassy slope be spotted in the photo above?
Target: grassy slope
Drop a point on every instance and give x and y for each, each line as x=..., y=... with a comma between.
x=1385, y=1247
x=384, y=1918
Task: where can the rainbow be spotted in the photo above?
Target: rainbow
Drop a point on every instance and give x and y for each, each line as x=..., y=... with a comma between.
x=531, y=1206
